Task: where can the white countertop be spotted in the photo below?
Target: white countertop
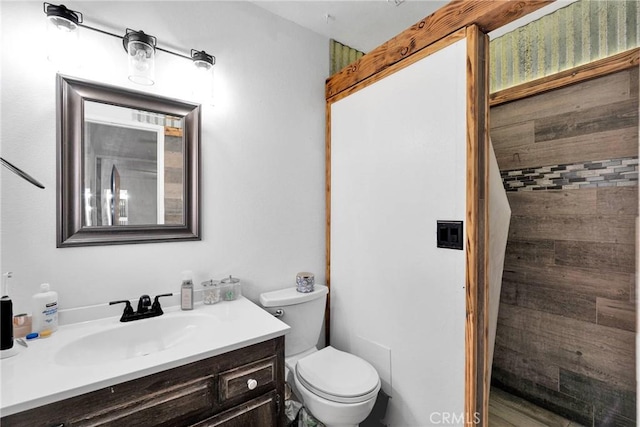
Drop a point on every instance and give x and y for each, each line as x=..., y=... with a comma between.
x=35, y=376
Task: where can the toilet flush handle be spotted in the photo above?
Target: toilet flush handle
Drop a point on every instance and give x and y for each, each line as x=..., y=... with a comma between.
x=279, y=313
x=252, y=384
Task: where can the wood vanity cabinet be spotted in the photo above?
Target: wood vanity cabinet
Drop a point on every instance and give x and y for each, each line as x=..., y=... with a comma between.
x=241, y=388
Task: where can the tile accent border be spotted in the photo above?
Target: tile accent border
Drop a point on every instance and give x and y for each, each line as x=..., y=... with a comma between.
x=602, y=173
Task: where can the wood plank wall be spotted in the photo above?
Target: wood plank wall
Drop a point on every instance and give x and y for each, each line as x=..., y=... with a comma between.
x=566, y=329
x=173, y=173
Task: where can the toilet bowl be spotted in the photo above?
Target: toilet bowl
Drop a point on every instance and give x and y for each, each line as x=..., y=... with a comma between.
x=338, y=388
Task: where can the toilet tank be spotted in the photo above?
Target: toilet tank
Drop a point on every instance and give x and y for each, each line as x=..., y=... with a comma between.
x=303, y=312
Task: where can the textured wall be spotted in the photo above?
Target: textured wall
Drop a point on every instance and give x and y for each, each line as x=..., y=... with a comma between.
x=577, y=34
x=341, y=55
x=566, y=327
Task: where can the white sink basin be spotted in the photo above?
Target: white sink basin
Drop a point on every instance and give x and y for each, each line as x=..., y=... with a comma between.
x=137, y=338
x=89, y=355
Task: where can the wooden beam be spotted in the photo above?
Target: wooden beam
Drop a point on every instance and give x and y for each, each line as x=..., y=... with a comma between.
x=327, y=139
x=487, y=15
x=477, y=231
x=431, y=49
x=599, y=68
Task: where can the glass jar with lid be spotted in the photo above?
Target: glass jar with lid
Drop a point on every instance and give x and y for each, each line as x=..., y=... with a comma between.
x=230, y=288
x=211, y=292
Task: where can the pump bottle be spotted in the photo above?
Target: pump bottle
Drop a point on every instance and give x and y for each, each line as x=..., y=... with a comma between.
x=186, y=291
x=45, y=309
x=6, y=315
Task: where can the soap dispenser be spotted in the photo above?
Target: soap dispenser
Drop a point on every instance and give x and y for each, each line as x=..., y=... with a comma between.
x=6, y=315
x=186, y=291
x=45, y=310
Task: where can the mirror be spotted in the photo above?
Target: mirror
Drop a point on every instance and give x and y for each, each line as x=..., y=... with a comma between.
x=128, y=166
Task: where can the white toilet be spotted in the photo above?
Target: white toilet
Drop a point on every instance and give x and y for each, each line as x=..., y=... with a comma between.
x=338, y=388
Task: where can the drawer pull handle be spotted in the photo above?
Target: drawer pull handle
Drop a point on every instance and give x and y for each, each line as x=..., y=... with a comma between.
x=252, y=384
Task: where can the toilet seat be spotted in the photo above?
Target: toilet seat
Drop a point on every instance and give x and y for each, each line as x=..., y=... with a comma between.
x=338, y=376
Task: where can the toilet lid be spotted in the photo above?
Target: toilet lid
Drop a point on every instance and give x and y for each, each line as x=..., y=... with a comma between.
x=338, y=376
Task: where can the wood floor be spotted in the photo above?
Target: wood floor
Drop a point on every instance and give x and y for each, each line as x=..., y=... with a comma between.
x=506, y=410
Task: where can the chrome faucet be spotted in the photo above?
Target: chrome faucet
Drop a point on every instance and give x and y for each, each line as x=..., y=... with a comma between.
x=145, y=308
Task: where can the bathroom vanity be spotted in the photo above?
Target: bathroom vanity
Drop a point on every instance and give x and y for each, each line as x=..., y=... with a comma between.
x=237, y=382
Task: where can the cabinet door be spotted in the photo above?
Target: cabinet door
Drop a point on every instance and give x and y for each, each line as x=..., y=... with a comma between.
x=259, y=412
x=159, y=406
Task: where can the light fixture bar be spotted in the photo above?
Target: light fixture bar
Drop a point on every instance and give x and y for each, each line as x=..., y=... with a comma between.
x=89, y=27
x=173, y=53
x=62, y=11
x=99, y=30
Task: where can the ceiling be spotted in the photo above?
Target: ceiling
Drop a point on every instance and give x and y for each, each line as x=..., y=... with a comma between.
x=360, y=24
x=366, y=24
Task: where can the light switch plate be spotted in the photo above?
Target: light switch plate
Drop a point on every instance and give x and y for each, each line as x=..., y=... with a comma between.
x=450, y=234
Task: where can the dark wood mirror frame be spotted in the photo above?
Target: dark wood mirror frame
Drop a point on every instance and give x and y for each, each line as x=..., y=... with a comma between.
x=70, y=96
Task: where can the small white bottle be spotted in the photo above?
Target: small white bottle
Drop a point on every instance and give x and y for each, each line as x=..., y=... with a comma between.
x=45, y=310
x=186, y=291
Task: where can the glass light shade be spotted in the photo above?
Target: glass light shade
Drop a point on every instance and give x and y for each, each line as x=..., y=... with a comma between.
x=141, y=62
x=203, y=84
x=202, y=65
x=62, y=23
x=62, y=43
x=141, y=53
x=203, y=76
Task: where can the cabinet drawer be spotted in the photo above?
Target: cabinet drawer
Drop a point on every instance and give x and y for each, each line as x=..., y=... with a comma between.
x=166, y=407
x=247, y=380
x=259, y=412
x=159, y=405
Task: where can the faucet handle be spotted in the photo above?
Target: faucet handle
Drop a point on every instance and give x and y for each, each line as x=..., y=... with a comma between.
x=144, y=303
x=128, y=310
x=156, y=303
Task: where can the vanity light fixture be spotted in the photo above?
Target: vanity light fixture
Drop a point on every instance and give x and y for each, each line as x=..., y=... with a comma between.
x=203, y=79
x=62, y=34
x=62, y=18
x=140, y=47
x=141, y=50
x=202, y=60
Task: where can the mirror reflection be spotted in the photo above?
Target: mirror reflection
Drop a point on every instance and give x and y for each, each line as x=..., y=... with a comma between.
x=128, y=166
x=133, y=167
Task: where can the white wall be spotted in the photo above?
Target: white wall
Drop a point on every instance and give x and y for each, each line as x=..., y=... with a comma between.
x=262, y=150
x=398, y=165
